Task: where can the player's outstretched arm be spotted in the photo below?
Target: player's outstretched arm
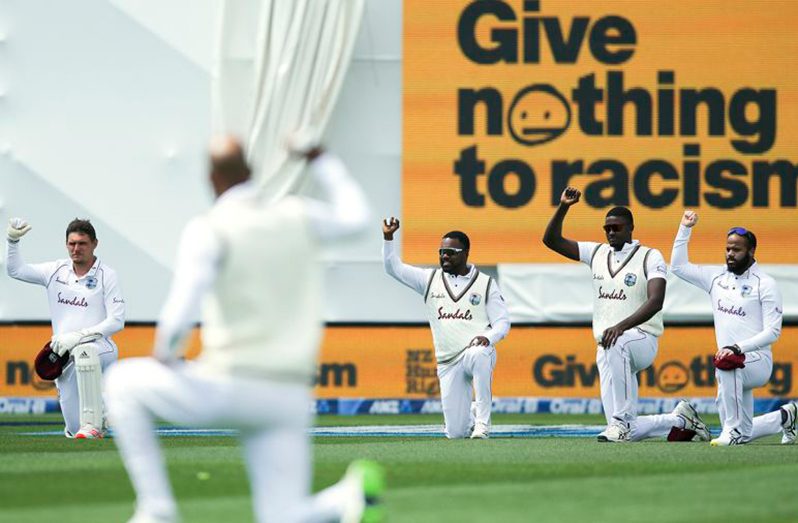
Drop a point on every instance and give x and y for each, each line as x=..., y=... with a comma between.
x=680, y=264
x=553, y=238
x=199, y=256
x=414, y=277
x=345, y=211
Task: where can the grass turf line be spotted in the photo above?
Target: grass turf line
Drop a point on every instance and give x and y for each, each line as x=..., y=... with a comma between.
x=430, y=479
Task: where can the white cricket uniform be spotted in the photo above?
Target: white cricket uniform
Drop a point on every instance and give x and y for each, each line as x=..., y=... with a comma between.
x=458, y=309
x=620, y=287
x=256, y=268
x=747, y=310
x=92, y=301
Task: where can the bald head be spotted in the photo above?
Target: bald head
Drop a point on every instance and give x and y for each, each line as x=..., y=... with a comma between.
x=228, y=164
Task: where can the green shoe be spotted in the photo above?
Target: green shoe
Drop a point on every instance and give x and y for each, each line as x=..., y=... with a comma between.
x=365, y=482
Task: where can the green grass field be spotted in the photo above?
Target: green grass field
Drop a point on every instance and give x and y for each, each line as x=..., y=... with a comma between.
x=45, y=478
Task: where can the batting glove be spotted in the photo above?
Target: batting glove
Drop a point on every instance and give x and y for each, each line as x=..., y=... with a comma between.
x=63, y=343
x=17, y=228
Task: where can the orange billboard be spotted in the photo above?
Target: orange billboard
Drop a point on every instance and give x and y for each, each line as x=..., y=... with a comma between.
x=651, y=105
x=399, y=362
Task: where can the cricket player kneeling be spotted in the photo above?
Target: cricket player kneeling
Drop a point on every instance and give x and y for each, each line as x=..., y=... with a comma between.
x=255, y=263
x=87, y=308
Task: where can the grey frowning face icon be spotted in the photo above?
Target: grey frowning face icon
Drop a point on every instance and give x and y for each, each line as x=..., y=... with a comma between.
x=538, y=114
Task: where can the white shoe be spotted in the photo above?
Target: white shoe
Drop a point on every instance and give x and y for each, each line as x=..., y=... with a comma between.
x=692, y=421
x=481, y=431
x=788, y=427
x=89, y=432
x=728, y=439
x=617, y=432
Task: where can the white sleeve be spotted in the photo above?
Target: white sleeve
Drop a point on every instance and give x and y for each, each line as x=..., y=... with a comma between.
x=346, y=210
x=114, y=306
x=699, y=276
x=196, y=267
x=414, y=277
x=497, y=315
x=772, y=311
x=19, y=270
x=586, y=251
x=655, y=265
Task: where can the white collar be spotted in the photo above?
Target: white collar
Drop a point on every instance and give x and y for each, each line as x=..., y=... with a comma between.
x=238, y=191
x=627, y=248
x=471, y=269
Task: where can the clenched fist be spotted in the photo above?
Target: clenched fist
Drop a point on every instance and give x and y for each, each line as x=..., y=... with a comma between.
x=689, y=218
x=570, y=196
x=389, y=227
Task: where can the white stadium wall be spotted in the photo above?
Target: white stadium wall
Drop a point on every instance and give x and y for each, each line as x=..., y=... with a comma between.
x=105, y=112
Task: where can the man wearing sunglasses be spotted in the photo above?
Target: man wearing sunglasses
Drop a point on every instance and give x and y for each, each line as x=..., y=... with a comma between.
x=468, y=317
x=747, y=309
x=628, y=292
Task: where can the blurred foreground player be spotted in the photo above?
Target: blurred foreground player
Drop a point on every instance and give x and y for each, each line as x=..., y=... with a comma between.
x=87, y=307
x=628, y=292
x=256, y=266
x=468, y=317
x=747, y=309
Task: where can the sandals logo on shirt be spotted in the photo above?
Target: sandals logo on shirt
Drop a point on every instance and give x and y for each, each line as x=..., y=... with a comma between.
x=74, y=301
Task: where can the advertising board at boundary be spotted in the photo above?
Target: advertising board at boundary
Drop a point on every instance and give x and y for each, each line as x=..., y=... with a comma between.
x=399, y=363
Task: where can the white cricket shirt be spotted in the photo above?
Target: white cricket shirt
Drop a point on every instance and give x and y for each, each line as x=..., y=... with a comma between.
x=419, y=278
x=456, y=316
x=250, y=275
x=747, y=308
x=620, y=283
x=92, y=301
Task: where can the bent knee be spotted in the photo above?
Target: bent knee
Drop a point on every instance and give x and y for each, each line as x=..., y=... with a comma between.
x=124, y=376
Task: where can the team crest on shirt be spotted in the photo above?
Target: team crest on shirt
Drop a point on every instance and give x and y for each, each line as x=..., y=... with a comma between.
x=91, y=282
x=630, y=279
x=475, y=299
x=745, y=290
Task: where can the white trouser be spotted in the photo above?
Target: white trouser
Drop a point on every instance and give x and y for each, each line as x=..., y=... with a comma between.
x=735, y=398
x=67, y=384
x=618, y=366
x=766, y=425
x=473, y=369
x=273, y=418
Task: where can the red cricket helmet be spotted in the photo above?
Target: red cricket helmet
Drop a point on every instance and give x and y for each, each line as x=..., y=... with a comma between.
x=48, y=364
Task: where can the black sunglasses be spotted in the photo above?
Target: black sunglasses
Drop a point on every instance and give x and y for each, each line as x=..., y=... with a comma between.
x=742, y=231
x=451, y=251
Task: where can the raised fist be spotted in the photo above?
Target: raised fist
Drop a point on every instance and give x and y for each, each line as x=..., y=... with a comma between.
x=389, y=227
x=689, y=218
x=17, y=228
x=570, y=196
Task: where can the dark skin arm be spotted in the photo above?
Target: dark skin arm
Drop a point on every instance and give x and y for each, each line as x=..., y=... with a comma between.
x=553, y=238
x=656, y=297
x=389, y=227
